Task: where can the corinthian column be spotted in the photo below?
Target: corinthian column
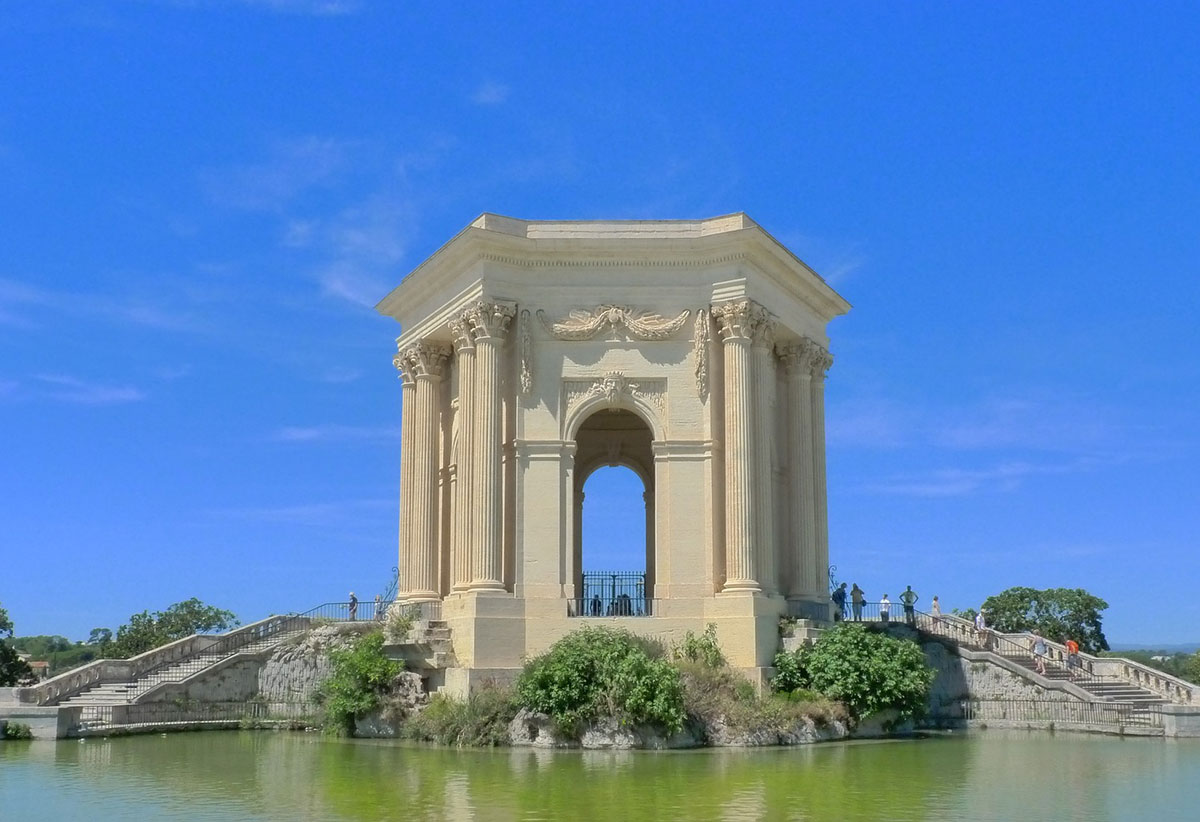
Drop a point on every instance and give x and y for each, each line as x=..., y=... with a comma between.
x=820, y=360
x=802, y=550
x=461, y=541
x=425, y=361
x=736, y=322
x=764, y=436
x=408, y=412
x=489, y=325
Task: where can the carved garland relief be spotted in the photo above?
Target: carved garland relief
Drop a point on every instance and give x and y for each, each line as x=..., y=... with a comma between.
x=526, y=355
x=700, y=352
x=641, y=325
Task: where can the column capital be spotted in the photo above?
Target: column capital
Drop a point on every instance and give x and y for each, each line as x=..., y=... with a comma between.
x=816, y=358
x=424, y=359
x=460, y=327
x=764, y=330
x=489, y=321
x=744, y=320
x=794, y=359
x=804, y=358
x=406, y=374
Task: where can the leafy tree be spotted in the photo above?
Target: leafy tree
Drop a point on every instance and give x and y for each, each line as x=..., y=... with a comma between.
x=1192, y=671
x=865, y=670
x=100, y=636
x=360, y=675
x=602, y=672
x=1056, y=613
x=60, y=652
x=146, y=631
x=13, y=669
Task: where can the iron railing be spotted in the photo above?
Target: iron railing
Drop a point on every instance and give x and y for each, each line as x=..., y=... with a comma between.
x=374, y=611
x=611, y=594
x=156, y=714
x=1082, y=671
x=807, y=609
x=1065, y=712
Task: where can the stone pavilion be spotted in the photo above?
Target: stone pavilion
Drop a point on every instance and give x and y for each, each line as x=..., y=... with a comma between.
x=531, y=353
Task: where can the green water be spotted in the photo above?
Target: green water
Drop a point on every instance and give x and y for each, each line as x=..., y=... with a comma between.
x=285, y=776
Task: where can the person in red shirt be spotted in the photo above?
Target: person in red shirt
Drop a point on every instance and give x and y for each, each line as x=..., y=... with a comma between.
x=1072, y=658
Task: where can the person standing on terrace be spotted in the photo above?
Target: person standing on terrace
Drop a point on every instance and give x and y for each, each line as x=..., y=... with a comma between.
x=909, y=600
x=856, y=601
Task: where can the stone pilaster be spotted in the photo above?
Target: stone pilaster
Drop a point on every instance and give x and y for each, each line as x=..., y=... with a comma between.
x=762, y=353
x=736, y=324
x=408, y=411
x=820, y=360
x=489, y=324
x=462, y=541
x=426, y=362
x=651, y=558
x=802, y=549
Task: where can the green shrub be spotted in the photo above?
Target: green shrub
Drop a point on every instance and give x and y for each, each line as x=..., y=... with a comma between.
x=722, y=695
x=360, y=675
x=790, y=671
x=397, y=624
x=865, y=670
x=18, y=730
x=703, y=648
x=481, y=720
x=600, y=672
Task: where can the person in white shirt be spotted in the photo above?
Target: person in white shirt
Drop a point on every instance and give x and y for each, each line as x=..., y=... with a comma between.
x=1037, y=645
x=981, y=629
x=885, y=606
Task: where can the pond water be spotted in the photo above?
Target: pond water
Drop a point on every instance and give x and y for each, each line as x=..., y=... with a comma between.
x=269, y=776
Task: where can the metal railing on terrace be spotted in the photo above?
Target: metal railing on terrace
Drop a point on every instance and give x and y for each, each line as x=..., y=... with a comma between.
x=611, y=594
x=806, y=609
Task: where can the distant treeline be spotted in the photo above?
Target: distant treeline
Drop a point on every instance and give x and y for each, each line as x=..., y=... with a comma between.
x=1183, y=665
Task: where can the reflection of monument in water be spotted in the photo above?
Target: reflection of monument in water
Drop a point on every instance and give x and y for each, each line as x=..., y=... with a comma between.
x=533, y=353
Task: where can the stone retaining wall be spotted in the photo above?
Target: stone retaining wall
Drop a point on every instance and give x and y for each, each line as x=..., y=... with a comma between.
x=296, y=669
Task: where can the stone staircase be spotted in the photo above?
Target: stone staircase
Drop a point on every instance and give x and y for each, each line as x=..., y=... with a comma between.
x=427, y=647
x=1114, y=690
x=127, y=692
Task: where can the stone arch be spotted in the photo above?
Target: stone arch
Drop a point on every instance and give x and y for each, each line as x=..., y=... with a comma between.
x=585, y=397
x=612, y=435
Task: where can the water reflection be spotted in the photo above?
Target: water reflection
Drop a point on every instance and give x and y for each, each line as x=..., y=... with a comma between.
x=226, y=776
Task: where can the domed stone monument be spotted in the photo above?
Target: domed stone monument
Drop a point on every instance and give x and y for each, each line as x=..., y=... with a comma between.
x=534, y=352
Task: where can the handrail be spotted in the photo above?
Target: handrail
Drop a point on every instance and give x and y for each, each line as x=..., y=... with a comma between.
x=101, y=671
x=1090, y=670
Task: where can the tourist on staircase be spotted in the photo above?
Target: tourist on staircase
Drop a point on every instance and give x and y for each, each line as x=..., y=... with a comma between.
x=1073, y=663
x=1038, y=647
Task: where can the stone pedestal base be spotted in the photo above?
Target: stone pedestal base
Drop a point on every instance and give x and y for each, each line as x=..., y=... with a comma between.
x=494, y=635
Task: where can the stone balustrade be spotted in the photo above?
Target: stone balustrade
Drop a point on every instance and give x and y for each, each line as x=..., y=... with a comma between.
x=102, y=671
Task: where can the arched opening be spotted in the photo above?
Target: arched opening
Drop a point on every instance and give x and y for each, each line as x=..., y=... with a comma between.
x=614, y=522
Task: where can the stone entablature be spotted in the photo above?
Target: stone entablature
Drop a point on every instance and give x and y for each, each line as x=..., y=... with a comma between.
x=707, y=336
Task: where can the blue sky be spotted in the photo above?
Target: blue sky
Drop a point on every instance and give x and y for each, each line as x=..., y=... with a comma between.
x=200, y=202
